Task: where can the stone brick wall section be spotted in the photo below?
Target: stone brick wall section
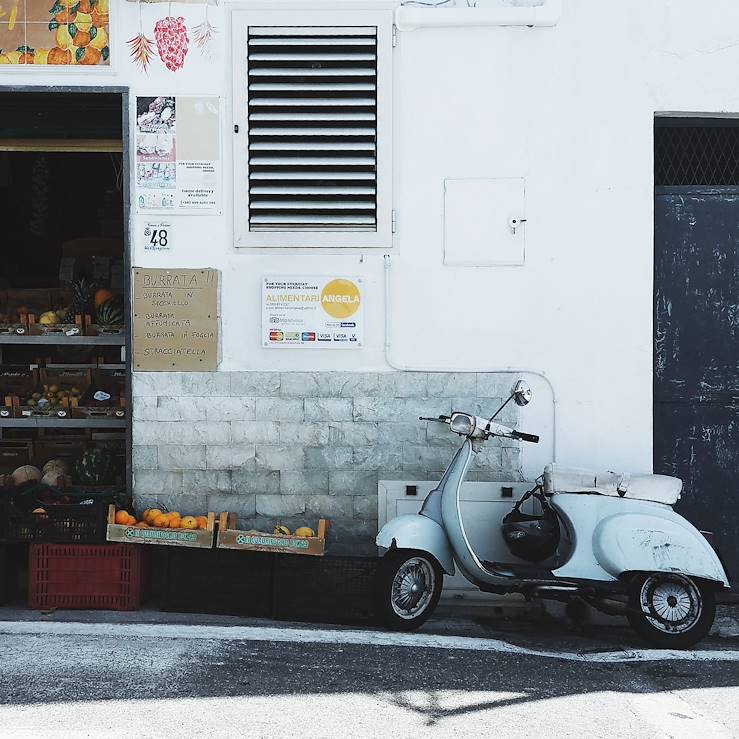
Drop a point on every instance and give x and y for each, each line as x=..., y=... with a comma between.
x=296, y=446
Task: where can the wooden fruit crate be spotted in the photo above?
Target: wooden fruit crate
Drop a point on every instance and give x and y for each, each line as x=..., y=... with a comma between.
x=94, y=329
x=229, y=537
x=202, y=538
x=16, y=328
x=55, y=329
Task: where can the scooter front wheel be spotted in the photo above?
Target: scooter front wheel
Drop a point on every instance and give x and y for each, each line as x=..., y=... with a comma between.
x=671, y=610
x=407, y=589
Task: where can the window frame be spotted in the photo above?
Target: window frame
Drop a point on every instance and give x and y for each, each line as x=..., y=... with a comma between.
x=382, y=237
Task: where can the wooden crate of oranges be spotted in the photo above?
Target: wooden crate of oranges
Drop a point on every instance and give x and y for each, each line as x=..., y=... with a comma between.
x=303, y=541
x=157, y=527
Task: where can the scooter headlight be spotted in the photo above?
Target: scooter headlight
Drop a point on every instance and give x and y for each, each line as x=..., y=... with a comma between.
x=462, y=423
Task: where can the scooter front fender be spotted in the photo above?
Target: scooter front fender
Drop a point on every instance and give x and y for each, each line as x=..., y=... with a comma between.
x=629, y=542
x=414, y=531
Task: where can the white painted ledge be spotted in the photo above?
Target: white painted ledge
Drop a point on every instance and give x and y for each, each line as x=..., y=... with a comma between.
x=410, y=18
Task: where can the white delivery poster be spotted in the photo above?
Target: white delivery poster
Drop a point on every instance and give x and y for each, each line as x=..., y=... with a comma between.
x=178, y=155
x=324, y=312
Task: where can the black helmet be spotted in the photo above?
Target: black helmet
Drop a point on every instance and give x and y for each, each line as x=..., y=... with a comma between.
x=532, y=537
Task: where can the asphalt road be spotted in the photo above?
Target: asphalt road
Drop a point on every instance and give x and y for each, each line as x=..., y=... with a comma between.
x=162, y=680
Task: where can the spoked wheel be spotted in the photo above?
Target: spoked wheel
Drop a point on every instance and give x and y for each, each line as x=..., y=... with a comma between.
x=407, y=589
x=673, y=610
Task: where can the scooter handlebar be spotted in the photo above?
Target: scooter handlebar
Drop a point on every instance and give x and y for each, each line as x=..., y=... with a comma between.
x=533, y=438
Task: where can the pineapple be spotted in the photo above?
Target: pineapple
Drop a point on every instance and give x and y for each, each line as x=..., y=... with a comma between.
x=83, y=292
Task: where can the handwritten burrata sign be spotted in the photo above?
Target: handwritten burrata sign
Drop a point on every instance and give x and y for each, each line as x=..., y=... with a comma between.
x=175, y=319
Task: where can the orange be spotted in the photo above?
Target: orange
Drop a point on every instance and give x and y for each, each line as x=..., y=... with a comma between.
x=175, y=522
x=142, y=525
x=161, y=521
x=189, y=522
x=145, y=514
x=132, y=520
x=175, y=514
x=121, y=517
x=103, y=294
x=202, y=522
x=151, y=515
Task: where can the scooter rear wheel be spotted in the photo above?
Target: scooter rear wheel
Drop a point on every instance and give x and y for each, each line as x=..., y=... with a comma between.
x=671, y=611
x=407, y=589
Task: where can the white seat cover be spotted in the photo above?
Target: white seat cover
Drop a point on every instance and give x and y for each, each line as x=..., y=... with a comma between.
x=658, y=488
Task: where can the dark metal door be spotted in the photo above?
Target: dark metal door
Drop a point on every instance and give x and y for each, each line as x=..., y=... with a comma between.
x=696, y=371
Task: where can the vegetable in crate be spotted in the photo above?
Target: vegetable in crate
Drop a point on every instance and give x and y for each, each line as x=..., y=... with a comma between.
x=26, y=473
x=57, y=465
x=95, y=467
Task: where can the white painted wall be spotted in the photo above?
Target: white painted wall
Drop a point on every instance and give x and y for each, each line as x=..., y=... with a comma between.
x=569, y=108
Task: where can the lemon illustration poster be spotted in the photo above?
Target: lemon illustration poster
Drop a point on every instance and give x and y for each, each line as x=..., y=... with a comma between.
x=324, y=312
x=62, y=32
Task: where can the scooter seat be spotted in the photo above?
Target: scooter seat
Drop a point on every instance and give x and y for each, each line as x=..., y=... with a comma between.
x=657, y=488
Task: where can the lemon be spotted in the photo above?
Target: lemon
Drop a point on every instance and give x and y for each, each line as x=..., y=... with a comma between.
x=48, y=319
x=63, y=39
x=83, y=21
x=14, y=57
x=304, y=531
x=42, y=56
x=4, y=59
x=100, y=40
x=103, y=6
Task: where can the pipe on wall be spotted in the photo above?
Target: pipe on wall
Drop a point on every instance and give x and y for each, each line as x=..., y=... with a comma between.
x=490, y=370
x=410, y=18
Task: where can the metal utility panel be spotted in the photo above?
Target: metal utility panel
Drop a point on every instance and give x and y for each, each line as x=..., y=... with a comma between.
x=484, y=222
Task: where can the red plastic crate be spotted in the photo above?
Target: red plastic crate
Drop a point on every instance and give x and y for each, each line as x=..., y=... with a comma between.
x=84, y=576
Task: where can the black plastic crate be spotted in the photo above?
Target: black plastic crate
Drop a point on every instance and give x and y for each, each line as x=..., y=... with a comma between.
x=221, y=581
x=61, y=524
x=324, y=589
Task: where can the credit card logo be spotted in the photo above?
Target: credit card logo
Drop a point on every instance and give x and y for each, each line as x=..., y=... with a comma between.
x=324, y=337
x=308, y=336
x=276, y=336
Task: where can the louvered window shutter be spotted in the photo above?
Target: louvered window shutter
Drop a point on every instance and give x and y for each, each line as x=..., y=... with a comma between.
x=312, y=128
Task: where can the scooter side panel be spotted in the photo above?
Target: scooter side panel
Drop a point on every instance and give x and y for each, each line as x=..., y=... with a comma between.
x=627, y=542
x=417, y=532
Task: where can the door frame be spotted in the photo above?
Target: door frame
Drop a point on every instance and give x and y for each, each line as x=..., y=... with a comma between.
x=125, y=94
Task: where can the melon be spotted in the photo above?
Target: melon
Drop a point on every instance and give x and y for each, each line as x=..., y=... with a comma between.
x=55, y=478
x=26, y=473
x=54, y=464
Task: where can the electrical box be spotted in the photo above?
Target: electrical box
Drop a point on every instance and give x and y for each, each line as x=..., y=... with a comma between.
x=484, y=222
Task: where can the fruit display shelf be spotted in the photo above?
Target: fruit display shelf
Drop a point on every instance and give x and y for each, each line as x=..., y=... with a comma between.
x=66, y=423
x=229, y=537
x=202, y=538
x=103, y=340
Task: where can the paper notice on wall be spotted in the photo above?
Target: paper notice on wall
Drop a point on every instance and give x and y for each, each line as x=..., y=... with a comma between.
x=178, y=160
x=324, y=312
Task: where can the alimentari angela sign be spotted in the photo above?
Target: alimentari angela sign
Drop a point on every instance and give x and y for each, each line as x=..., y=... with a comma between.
x=323, y=312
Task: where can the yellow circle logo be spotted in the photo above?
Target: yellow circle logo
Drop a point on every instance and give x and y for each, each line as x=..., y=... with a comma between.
x=340, y=298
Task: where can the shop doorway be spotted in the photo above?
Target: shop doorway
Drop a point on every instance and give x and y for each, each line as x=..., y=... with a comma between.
x=696, y=326
x=65, y=398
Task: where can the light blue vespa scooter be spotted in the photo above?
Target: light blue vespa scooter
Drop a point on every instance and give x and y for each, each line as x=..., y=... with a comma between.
x=611, y=540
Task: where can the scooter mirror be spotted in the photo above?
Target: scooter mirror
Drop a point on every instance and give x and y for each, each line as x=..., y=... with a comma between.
x=521, y=392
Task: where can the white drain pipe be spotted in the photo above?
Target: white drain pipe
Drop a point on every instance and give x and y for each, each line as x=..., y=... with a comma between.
x=410, y=17
x=496, y=370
